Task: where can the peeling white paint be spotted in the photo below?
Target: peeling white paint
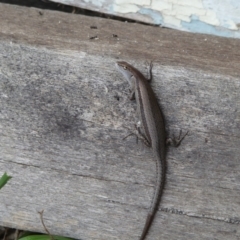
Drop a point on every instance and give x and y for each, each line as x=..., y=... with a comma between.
x=172, y=21
x=183, y=17
x=136, y=2
x=193, y=3
x=188, y=10
x=200, y=13
x=231, y=25
x=216, y=17
x=130, y=6
x=228, y=12
x=161, y=5
x=126, y=8
x=210, y=17
x=98, y=3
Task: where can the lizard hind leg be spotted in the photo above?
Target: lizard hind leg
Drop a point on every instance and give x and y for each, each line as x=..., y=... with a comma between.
x=139, y=135
x=176, y=141
x=142, y=136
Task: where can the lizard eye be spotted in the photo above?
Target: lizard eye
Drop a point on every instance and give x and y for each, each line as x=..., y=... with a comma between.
x=125, y=68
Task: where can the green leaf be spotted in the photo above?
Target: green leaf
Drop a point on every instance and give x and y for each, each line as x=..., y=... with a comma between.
x=44, y=237
x=4, y=179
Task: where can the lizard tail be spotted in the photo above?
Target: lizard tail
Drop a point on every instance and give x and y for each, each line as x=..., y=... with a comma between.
x=160, y=180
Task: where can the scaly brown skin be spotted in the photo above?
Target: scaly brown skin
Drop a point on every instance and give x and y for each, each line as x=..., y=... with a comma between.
x=153, y=126
x=154, y=129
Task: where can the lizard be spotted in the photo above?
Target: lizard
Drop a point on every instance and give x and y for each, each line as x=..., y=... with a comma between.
x=153, y=125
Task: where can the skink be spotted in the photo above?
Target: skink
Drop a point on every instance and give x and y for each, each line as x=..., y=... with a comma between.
x=153, y=125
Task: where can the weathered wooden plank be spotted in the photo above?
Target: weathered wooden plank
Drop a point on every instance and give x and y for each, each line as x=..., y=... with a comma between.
x=64, y=112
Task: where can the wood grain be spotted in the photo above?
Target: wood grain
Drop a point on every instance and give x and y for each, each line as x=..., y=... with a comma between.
x=64, y=112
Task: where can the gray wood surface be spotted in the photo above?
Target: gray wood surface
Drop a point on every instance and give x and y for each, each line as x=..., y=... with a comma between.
x=64, y=110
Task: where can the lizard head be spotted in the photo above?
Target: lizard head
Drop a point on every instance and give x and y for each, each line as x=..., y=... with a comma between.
x=125, y=69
